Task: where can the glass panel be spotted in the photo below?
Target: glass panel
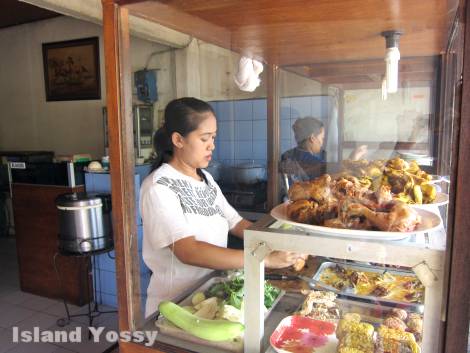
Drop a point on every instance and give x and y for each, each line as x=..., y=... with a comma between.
x=302, y=97
x=238, y=163
x=153, y=85
x=366, y=172
x=240, y=156
x=374, y=229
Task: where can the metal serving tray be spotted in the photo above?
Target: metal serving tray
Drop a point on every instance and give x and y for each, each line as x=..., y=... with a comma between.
x=349, y=292
x=169, y=329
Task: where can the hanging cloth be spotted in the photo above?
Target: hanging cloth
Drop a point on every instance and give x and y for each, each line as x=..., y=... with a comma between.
x=247, y=78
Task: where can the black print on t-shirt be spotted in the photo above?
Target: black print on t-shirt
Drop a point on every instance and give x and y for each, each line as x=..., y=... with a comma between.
x=193, y=199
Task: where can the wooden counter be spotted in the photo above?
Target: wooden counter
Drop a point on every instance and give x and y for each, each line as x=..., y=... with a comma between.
x=37, y=229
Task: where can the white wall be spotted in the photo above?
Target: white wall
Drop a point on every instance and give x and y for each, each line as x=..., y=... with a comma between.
x=27, y=121
x=369, y=118
x=403, y=117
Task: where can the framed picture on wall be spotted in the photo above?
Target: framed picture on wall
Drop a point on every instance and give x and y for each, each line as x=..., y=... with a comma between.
x=72, y=69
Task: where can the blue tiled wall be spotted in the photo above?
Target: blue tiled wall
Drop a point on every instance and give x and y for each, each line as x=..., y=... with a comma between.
x=242, y=126
x=105, y=266
x=241, y=129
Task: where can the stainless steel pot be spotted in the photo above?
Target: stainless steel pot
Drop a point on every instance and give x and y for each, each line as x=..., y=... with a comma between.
x=84, y=222
x=249, y=173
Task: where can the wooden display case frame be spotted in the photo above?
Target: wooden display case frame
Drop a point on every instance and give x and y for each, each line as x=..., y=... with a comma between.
x=119, y=99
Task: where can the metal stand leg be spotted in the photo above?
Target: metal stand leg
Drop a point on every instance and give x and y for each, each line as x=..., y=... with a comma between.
x=90, y=317
x=95, y=276
x=92, y=313
x=62, y=321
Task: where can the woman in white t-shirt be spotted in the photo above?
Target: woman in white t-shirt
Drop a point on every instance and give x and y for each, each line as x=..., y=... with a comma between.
x=186, y=218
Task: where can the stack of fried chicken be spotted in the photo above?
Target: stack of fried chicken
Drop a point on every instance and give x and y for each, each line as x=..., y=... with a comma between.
x=344, y=202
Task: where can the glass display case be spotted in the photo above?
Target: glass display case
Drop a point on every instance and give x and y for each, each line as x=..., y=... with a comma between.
x=360, y=169
x=421, y=254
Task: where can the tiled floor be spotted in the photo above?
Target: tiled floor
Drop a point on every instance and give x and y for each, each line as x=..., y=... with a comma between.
x=26, y=311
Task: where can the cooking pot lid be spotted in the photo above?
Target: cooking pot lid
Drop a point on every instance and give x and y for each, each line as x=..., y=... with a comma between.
x=78, y=199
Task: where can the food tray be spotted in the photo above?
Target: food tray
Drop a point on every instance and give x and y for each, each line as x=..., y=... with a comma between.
x=303, y=334
x=372, y=313
x=300, y=334
x=167, y=328
x=348, y=292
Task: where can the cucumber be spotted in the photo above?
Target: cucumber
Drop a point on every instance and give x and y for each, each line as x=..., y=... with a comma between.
x=211, y=330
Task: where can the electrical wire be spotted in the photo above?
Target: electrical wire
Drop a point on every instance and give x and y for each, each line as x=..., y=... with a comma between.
x=166, y=51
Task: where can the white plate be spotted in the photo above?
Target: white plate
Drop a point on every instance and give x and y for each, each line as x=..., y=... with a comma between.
x=413, y=155
x=440, y=200
x=436, y=179
x=429, y=222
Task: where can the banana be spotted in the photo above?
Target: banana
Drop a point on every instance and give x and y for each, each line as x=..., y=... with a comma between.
x=211, y=330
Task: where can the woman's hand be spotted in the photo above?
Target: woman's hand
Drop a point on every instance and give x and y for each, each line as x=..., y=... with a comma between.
x=281, y=259
x=358, y=152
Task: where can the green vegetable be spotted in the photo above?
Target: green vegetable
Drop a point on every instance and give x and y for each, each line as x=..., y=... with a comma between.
x=198, y=297
x=270, y=294
x=285, y=226
x=189, y=309
x=232, y=292
x=207, y=308
x=229, y=312
x=211, y=330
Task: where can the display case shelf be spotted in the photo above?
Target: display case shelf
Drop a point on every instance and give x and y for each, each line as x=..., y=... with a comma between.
x=266, y=236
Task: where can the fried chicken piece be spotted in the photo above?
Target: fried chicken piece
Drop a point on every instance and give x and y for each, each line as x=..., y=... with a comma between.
x=334, y=223
x=305, y=211
x=326, y=211
x=317, y=297
x=383, y=195
x=380, y=291
x=358, y=277
x=302, y=211
x=415, y=323
x=399, y=313
x=299, y=265
x=399, y=218
x=317, y=190
x=395, y=323
x=375, y=200
x=340, y=271
x=348, y=186
x=356, y=223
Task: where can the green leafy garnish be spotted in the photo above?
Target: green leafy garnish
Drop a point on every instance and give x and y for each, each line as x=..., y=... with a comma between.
x=231, y=292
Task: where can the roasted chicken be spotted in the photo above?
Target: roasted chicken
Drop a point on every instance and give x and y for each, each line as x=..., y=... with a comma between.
x=317, y=189
x=344, y=202
x=398, y=218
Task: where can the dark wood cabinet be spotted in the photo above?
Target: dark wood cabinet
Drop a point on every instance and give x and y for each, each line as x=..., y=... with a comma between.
x=37, y=229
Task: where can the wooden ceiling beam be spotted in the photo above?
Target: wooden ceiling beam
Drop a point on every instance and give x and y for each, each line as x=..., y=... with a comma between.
x=295, y=32
x=181, y=21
